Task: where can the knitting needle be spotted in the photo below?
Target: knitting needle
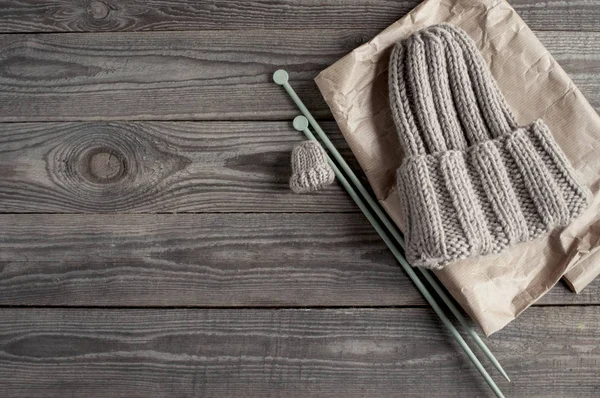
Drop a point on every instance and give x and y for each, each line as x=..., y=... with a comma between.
x=301, y=124
x=281, y=77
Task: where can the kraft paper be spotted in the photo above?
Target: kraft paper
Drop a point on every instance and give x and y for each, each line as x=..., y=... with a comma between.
x=497, y=288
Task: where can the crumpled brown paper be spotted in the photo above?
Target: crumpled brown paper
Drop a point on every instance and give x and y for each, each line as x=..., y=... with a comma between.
x=492, y=289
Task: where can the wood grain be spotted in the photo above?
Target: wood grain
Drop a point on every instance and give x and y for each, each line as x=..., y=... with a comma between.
x=107, y=167
x=224, y=75
x=138, y=15
x=106, y=147
x=221, y=75
x=207, y=260
x=197, y=260
x=551, y=352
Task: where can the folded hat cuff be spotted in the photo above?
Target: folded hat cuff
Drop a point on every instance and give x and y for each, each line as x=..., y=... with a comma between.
x=496, y=193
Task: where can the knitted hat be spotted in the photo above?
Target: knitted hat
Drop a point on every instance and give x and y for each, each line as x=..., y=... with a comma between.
x=310, y=170
x=472, y=182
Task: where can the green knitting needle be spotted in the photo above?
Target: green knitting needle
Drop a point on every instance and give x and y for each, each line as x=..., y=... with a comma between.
x=281, y=77
x=301, y=124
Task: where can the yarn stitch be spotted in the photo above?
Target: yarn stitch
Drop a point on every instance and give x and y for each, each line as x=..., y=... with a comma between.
x=310, y=170
x=473, y=182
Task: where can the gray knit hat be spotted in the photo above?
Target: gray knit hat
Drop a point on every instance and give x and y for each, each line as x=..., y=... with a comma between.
x=472, y=182
x=310, y=170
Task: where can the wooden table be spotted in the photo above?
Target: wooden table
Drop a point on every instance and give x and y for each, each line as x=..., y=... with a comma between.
x=150, y=246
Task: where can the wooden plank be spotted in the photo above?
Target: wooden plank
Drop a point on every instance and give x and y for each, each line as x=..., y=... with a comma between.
x=138, y=15
x=221, y=75
x=204, y=75
x=157, y=167
x=573, y=15
x=197, y=260
x=548, y=352
x=209, y=260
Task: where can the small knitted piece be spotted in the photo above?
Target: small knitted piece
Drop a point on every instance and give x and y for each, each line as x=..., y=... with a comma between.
x=310, y=170
x=473, y=182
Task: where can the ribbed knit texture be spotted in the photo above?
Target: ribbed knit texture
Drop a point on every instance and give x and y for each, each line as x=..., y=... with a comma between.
x=310, y=170
x=473, y=182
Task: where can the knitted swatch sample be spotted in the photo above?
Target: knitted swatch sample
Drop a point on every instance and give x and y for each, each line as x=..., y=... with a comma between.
x=472, y=182
x=310, y=170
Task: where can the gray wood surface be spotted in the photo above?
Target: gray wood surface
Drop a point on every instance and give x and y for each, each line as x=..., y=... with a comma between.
x=207, y=260
x=144, y=15
x=207, y=75
x=149, y=245
x=157, y=167
x=551, y=352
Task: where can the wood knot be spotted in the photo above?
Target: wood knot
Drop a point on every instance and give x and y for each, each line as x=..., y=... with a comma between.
x=104, y=165
x=112, y=166
x=359, y=39
x=98, y=9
